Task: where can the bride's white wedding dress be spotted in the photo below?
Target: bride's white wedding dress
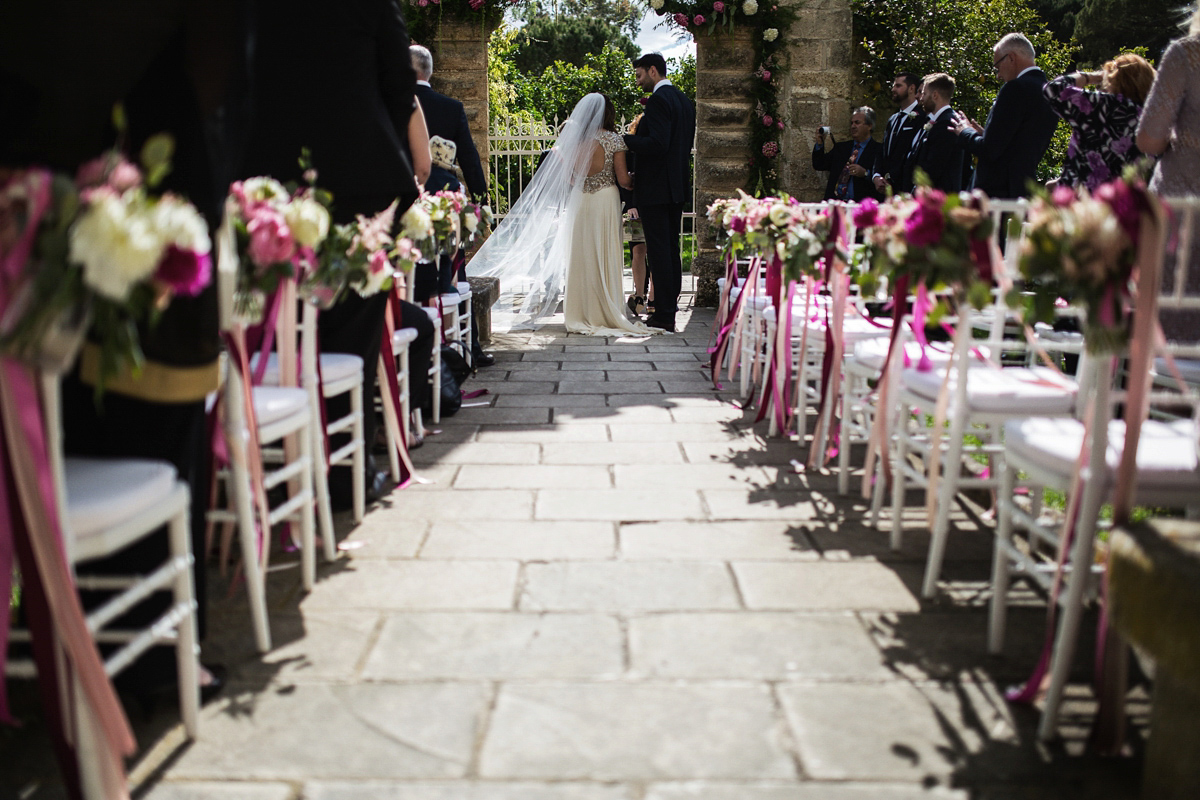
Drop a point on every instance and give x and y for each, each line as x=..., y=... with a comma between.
x=595, y=298
x=566, y=220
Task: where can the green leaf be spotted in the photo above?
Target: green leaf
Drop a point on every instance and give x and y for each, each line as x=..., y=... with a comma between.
x=156, y=157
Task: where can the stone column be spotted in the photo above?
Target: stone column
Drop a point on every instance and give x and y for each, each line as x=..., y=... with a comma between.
x=460, y=70
x=723, y=111
x=817, y=90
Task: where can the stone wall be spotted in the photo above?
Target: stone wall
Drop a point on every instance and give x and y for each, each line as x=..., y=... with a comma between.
x=817, y=90
x=460, y=70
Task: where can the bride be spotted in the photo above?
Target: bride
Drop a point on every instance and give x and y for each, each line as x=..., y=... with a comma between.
x=566, y=228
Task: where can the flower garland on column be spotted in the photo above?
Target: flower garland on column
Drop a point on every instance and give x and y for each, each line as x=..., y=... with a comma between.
x=424, y=17
x=767, y=21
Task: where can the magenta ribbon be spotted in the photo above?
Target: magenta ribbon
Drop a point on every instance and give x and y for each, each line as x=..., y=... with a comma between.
x=725, y=321
x=771, y=378
x=392, y=380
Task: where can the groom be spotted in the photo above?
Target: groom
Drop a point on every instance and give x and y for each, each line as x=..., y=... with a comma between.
x=663, y=144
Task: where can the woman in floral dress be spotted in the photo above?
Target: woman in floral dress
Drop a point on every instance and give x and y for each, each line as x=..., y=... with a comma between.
x=1102, y=109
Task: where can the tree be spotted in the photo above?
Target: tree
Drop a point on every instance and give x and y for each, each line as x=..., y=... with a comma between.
x=1106, y=28
x=623, y=14
x=570, y=39
x=955, y=37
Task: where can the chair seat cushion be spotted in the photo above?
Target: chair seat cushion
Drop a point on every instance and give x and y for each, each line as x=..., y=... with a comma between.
x=854, y=328
x=402, y=337
x=273, y=403
x=1166, y=450
x=103, y=492
x=871, y=353
x=1012, y=390
x=334, y=367
x=464, y=289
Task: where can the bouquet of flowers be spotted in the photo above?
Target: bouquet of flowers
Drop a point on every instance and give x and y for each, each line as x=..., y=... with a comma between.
x=775, y=225
x=1081, y=247
x=476, y=220
x=102, y=247
x=939, y=240
x=279, y=232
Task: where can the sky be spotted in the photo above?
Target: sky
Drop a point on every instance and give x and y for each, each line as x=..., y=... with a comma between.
x=656, y=37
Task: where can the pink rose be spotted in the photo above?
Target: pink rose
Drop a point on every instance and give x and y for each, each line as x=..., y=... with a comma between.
x=1063, y=196
x=120, y=175
x=681, y=20
x=699, y=19
x=738, y=224
x=185, y=271
x=770, y=149
x=766, y=75
x=768, y=120
x=867, y=213
x=1124, y=203
x=925, y=225
x=718, y=7
x=270, y=238
x=779, y=124
x=378, y=262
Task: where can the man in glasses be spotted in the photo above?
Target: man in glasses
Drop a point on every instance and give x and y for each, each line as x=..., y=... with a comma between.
x=1019, y=126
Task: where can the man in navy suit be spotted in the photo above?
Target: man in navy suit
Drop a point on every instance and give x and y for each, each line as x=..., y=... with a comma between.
x=850, y=163
x=901, y=129
x=446, y=117
x=663, y=144
x=1019, y=126
x=935, y=149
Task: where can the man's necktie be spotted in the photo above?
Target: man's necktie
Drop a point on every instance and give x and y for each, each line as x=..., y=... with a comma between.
x=843, y=190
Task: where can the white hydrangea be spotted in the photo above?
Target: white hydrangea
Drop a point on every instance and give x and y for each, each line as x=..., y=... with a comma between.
x=750, y=8
x=308, y=221
x=117, y=243
x=771, y=34
x=780, y=214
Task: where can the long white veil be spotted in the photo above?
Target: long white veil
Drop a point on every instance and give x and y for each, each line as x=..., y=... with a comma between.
x=530, y=248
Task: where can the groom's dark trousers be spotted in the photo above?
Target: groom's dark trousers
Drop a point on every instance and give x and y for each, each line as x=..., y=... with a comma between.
x=661, y=226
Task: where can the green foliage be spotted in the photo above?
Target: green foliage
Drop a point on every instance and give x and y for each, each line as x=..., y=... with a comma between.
x=425, y=17
x=545, y=41
x=1106, y=28
x=623, y=14
x=956, y=37
x=682, y=72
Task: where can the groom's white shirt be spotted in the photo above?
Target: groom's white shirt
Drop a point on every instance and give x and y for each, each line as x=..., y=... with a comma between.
x=662, y=83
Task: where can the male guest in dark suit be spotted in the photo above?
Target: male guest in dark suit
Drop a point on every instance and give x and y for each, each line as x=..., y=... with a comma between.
x=850, y=163
x=935, y=148
x=1019, y=126
x=446, y=117
x=337, y=78
x=902, y=128
x=663, y=144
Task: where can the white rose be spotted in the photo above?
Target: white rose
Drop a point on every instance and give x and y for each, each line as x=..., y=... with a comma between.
x=416, y=223
x=896, y=249
x=780, y=214
x=771, y=34
x=264, y=190
x=656, y=4
x=308, y=221
x=471, y=222
x=750, y=8
x=117, y=245
x=179, y=223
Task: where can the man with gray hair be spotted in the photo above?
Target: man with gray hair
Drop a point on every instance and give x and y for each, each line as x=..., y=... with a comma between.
x=446, y=117
x=1019, y=126
x=851, y=162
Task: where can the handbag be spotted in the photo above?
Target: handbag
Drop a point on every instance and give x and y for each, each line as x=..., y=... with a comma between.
x=455, y=370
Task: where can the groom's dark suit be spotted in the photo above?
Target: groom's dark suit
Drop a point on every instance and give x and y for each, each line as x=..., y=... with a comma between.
x=663, y=144
x=897, y=142
x=936, y=151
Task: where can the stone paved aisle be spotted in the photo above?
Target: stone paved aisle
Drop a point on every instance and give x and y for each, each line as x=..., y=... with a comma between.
x=615, y=589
